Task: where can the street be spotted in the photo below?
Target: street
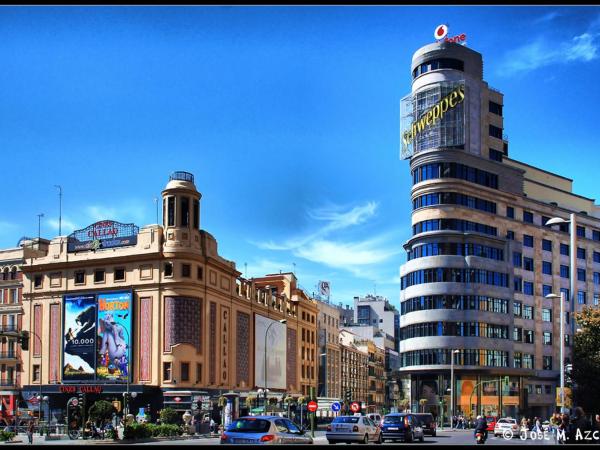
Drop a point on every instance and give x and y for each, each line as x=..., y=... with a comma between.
x=457, y=437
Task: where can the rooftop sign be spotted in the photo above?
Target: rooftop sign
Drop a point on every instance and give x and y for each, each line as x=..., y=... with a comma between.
x=441, y=33
x=103, y=234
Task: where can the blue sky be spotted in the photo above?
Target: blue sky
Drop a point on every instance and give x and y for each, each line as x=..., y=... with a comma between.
x=287, y=116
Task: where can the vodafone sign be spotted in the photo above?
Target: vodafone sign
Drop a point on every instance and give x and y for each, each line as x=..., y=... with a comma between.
x=441, y=33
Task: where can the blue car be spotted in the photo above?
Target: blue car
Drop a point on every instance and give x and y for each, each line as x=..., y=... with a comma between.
x=402, y=426
x=260, y=430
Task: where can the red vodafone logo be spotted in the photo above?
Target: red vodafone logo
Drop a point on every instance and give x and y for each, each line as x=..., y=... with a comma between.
x=313, y=406
x=441, y=31
x=354, y=407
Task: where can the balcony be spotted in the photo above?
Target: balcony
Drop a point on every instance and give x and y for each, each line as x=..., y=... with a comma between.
x=8, y=355
x=8, y=329
x=11, y=383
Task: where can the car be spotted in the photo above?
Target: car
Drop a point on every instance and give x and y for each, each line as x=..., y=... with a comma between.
x=259, y=430
x=428, y=422
x=491, y=423
x=376, y=418
x=504, y=424
x=353, y=429
x=402, y=426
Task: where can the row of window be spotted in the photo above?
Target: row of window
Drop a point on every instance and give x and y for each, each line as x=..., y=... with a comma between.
x=184, y=211
x=523, y=311
x=460, y=302
x=528, y=217
x=464, y=357
x=438, y=275
x=184, y=372
x=435, y=64
x=463, y=329
x=454, y=170
x=454, y=198
x=9, y=275
x=547, y=388
x=9, y=296
x=459, y=249
x=453, y=224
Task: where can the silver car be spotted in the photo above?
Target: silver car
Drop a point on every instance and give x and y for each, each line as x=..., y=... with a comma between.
x=260, y=430
x=353, y=429
x=506, y=425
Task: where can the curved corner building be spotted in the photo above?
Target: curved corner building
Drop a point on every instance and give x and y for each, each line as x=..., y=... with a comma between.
x=480, y=261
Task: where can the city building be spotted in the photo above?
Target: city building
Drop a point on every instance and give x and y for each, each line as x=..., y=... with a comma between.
x=153, y=316
x=329, y=386
x=377, y=311
x=376, y=377
x=481, y=260
x=354, y=370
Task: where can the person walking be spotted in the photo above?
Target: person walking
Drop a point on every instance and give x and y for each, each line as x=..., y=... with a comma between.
x=30, y=430
x=563, y=429
x=578, y=426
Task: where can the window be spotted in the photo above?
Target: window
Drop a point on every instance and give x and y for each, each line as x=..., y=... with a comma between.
x=527, y=217
x=546, y=245
x=580, y=231
x=547, y=338
x=564, y=249
x=527, y=288
x=528, y=312
x=13, y=296
x=547, y=387
x=196, y=214
x=199, y=272
x=597, y=257
x=528, y=334
x=595, y=235
x=510, y=212
x=565, y=293
x=510, y=235
x=119, y=274
x=99, y=276
x=568, y=340
x=186, y=270
x=538, y=389
x=185, y=211
x=495, y=132
x=37, y=281
x=168, y=269
x=528, y=364
x=581, y=297
x=518, y=284
x=518, y=309
x=454, y=170
x=547, y=267
x=529, y=386
x=546, y=315
x=580, y=253
x=435, y=64
x=185, y=371
x=528, y=264
x=495, y=108
x=564, y=271
x=166, y=371
x=527, y=240
x=544, y=221
x=36, y=373
x=546, y=290
x=170, y=211
x=581, y=274
x=198, y=372
x=517, y=360
x=517, y=259
x=517, y=334
x=496, y=155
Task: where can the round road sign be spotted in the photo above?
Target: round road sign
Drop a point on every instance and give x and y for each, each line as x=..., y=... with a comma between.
x=313, y=406
x=355, y=407
x=335, y=406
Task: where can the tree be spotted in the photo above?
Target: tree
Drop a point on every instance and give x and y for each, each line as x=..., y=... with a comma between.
x=169, y=415
x=250, y=401
x=101, y=411
x=586, y=360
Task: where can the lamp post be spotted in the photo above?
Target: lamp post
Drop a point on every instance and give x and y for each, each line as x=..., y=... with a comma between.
x=283, y=321
x=261, y=392
x=561, y=298
x=572, y=287
x=41, y=374
x=454, y=352
x=59, y=208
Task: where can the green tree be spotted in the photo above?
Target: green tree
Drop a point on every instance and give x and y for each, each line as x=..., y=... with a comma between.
x=101, y=411
x=169, y=415
x=586, y=360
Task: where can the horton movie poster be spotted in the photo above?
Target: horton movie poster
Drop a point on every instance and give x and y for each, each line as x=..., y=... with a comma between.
x=114, y=331
x=79, y=356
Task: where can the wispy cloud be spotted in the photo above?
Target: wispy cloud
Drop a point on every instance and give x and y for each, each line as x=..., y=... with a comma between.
x=67, y=226
x=548, y=17
x=5, y=225
x=130, y=211
x=545, y=51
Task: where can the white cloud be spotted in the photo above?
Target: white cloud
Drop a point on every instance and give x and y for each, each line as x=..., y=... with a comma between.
x=131, y=211
x=548, y=17
x=67, y=225
x=545, y=51
x=345, y=254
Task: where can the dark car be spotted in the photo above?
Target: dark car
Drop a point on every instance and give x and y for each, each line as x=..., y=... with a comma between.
x=401, y=426
x=429, y=424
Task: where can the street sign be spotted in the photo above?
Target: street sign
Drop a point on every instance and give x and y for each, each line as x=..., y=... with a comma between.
x=354, y=407
x=312, y=406
x=335, y=406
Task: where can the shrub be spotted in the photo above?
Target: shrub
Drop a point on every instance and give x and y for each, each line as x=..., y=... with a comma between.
x=137, y=431
x=169, y=415
x=6, y=436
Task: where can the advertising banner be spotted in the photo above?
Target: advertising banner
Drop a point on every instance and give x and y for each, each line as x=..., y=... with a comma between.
x=114, y=331
x=79, y=356
x=275, y=353
x=103, y=234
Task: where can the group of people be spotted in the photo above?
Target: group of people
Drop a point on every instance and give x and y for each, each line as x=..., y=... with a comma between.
x=460, y=422
x=576, y=429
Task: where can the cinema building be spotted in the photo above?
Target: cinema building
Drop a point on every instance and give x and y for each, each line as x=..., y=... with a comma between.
x=481, y=259
x=155, y=317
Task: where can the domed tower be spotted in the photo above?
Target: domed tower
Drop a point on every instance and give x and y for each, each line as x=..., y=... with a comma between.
x=181, y=212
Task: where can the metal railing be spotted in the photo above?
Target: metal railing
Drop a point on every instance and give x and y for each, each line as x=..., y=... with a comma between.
x=182, y=176
x=8, y=355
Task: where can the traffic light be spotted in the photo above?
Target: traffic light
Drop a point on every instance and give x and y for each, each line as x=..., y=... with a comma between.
x=24, y=340
x=348, y=396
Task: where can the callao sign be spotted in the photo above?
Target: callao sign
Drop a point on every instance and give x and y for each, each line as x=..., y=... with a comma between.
x=441, y=33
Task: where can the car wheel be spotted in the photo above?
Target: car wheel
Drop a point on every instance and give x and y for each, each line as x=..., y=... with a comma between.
x=365, y=439
x=332, y=442
x=409, y=438
x=379, y=439
x=422, y=438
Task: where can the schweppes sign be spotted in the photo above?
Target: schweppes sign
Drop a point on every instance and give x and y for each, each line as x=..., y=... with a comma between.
x=434, y=114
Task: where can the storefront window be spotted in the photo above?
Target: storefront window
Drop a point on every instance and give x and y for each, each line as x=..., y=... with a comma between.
x=464, y=394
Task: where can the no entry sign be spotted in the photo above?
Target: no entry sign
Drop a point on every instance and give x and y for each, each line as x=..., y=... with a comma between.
x=354, y=407
x=313, y=406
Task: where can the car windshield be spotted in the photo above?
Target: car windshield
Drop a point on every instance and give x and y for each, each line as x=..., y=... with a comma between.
x=249, y=426
x=507, y=421
x=393, y=419
x=426, y=418
x=346, y=419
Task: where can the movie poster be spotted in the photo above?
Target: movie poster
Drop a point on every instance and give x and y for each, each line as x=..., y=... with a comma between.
x=114, y=331
x=79, y=355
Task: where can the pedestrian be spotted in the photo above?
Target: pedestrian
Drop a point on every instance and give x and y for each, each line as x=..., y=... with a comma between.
x=578, y=426
x=538, y=425
x=30, y=429
x=563, y=428
x=212, y=425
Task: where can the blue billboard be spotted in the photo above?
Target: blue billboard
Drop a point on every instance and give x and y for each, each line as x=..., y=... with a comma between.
x=113, y=338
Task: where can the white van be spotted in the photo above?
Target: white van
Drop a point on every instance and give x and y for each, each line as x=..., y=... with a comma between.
x=375, y=418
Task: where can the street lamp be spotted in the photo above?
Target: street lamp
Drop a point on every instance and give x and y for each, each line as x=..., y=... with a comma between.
x=573, y=286
x=454, y=352
x=128, y=360
x=126, y=396
x=266, y=334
